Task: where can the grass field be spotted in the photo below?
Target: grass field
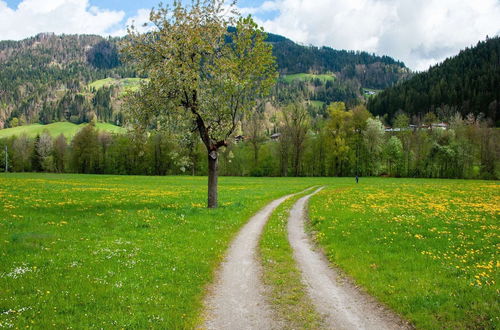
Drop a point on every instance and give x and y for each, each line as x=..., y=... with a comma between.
x=316, y=104
x=116, y=251
x=307, y=77
x=125, y=84
x=55, y=129
x=427, y=248
x=134, y=252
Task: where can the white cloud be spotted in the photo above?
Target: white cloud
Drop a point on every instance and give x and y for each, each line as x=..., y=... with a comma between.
x=420, y=33
x=138, y=21
x=59, y=16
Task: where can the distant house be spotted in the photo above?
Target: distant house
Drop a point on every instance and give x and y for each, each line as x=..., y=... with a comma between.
x=275, y=136
x=443, y=126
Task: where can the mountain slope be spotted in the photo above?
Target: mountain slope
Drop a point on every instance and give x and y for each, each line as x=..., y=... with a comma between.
x=48, y=78
x=467, y=83
x=370, y=70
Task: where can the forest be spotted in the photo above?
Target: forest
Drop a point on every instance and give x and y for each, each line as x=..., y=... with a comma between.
x=47, y=78
x=286, y=141
x=466, y=83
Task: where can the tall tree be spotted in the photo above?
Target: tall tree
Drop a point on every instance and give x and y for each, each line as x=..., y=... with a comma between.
x=202, y=70
x=254, y=132
x=339, y=127
x=59, y=151
x=295, y=126
x=374, y=139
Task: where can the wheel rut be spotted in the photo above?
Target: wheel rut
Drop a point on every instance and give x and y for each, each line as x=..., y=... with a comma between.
x=237, y=300
x=342, y=304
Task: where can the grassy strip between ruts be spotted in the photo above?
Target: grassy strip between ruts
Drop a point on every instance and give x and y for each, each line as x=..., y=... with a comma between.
x=103, y=251
x=287, y=293
x=428, y=248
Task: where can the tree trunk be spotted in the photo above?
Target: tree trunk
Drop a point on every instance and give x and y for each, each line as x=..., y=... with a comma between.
x=212, y=179
x=255, y=153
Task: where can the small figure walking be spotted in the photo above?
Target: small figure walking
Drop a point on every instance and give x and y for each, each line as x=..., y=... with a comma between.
x=357, y=179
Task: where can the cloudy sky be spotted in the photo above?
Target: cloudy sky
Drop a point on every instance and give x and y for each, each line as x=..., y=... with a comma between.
x=418, y=32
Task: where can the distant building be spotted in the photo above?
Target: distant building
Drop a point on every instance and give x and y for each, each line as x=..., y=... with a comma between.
x=443, y=126
x=275, y=136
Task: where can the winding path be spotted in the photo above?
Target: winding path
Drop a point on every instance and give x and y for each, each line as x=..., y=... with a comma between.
x=237, y=300
x=341, y=303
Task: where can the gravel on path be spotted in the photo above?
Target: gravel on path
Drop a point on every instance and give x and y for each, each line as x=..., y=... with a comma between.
x=237, y=300
x=342, y=304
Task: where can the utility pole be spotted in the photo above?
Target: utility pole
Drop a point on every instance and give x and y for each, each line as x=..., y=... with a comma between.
x=6, y=160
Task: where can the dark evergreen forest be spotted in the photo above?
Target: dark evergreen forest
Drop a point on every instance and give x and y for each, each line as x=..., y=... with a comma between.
x=467, y=83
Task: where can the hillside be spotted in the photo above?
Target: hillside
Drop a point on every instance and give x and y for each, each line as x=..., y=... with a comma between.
x=50, y=78
x=467, y=83
x=369, y=70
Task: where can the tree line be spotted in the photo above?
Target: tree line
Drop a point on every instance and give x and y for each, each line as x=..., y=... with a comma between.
x=282, y=141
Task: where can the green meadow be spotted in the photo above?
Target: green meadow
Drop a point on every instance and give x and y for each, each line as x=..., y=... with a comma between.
x=117, y=251
x=66, y=128
x=125, y=84
x=426, y=248
x=133, y=251
x=307, y=77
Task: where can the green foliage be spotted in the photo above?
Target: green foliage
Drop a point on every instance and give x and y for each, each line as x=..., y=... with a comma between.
x=343, y=144
x=85, y=152
x=207, y=79
x=38, y=72
x=368, y=70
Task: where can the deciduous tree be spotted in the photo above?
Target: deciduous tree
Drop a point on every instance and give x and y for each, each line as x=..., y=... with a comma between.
x=207, y=66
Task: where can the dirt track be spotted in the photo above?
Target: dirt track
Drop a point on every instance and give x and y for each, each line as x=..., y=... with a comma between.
x=237, y=300
x=337, y=299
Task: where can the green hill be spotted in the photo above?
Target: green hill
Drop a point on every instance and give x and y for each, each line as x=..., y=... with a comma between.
x=55, y=129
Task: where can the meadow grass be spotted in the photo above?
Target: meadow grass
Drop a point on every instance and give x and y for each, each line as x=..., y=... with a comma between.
x=286, y=291
x=55, y=129
x=117, y=251
x=426, y=248
x=125, y=84
x=98, y=84
x=124, y=251
x=316, y=104
x=307, y=77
